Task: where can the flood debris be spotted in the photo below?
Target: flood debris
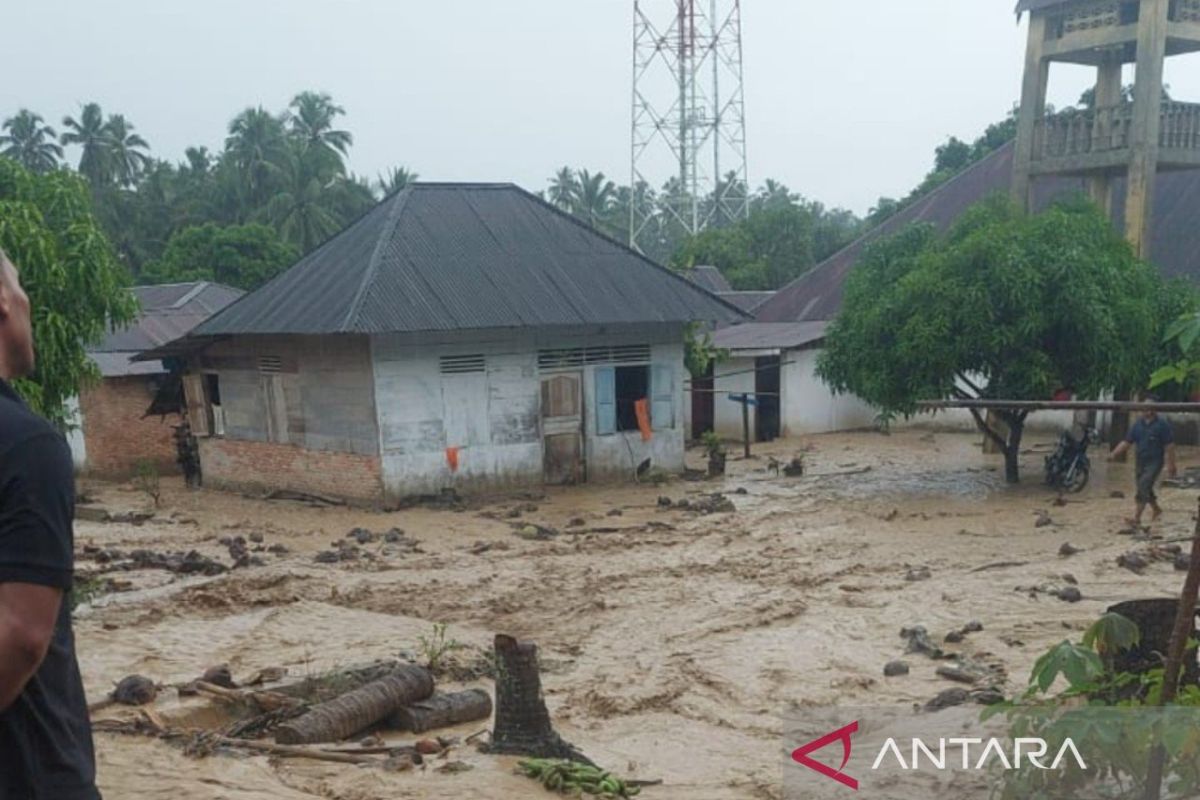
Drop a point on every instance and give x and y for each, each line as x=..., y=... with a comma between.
x=191, y=562
x=1067, y=550
x=357, y=710
x=919, y=642
x=536, y=533
x=442, y=711
x=1137, y=561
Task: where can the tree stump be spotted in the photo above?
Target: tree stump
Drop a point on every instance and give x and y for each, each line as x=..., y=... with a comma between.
x=442, y=711
x=354, y=711
x=523, y=724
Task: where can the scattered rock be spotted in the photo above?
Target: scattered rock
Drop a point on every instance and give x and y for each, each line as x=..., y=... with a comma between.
x=428, y=747
x=1183, y=562
x=955, y=637
x=537, y=533
x=665, y=502
x=918, y=574
x=974, y=626
x=1069, y=594
x=710, y=504
x=895, y=669
x=1043, y=520
x=278, y=549
x=513, y=513
x=615, y=512
x=135, y=690
x=1133, y=561
x=454, y=767
x=326, y=557
x=988, y=697
x=794, y=468
x=1069, y=578
x=919, y=642
x=577, y=522
x=361, y=535
x=1115, y=495
x=948, y=699
x=219, y=675
x=1068, y=550
x=741, y=490
x=957, y=674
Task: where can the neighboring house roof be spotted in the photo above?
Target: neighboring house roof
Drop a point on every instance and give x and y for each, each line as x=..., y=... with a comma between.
x=166, y=313
x=709, y=278
x=769, y=335
x=437, y=257
x=746, y=301
x=1175, y=240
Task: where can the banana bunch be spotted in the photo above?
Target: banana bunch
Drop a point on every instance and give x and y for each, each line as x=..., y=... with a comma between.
x=575, y=779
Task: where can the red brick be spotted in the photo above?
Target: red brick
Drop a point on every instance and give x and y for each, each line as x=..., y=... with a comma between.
x=115, y=433
x=234, y=464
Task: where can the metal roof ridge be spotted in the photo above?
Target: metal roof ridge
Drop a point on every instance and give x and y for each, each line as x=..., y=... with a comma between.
x=399, y=202
x=190, y=295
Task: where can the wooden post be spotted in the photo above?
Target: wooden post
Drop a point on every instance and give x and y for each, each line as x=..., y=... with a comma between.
x=1147, y=123
x=1185, y=626
x=746, y=423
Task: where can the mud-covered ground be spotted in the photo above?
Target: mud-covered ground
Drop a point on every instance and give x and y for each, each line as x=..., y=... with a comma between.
x=672, y=641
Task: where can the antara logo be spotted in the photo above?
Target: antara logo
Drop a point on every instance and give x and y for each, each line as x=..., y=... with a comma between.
x=1031, y=751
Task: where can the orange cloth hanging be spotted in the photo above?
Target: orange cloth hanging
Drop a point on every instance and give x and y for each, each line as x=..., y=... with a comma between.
x=642, y=407
x=452, y=458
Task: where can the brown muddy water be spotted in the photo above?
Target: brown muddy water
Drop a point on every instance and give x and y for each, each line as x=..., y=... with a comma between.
x=672, y=646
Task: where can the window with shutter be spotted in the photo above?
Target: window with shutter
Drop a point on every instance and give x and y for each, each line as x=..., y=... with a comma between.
x=606, y=401
x=662, y=389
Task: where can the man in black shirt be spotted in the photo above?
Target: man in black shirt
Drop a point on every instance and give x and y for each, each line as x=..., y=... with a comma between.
x=45, y=736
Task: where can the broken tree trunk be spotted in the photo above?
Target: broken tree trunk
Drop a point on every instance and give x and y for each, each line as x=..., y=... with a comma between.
x=350, y=713
x=442, y=711
x=522, y=722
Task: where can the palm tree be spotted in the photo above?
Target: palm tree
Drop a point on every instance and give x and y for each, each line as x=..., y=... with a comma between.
x=595, y=198
x=311, y=122
x=397, y=179
x=29, y=142
x=91, y=134
x=564, y=189
x=304, y=210
x=126, y=156
x=259, y=151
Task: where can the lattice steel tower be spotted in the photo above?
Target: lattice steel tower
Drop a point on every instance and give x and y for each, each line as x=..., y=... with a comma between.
x=689, y=117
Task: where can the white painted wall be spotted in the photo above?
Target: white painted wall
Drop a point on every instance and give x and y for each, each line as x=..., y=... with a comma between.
x=810, y=406
x=733, y=376
x=75, y=434
x=494, y=418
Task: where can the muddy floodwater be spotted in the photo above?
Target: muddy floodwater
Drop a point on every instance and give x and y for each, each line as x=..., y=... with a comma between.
x=673, y=642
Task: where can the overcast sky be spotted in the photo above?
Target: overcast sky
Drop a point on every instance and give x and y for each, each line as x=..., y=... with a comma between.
x=845, y=100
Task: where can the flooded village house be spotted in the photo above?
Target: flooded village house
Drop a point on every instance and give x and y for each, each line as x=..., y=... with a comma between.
x=466, y=336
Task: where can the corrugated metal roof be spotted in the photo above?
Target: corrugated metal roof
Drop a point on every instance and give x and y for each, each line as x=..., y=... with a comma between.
x=1175, y=242
x=769, y=335
x=709, y=278
x=746, y=301
x=167, y=313
x=466, y=256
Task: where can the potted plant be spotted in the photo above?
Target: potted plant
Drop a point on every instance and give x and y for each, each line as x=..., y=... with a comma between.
x=716, y=454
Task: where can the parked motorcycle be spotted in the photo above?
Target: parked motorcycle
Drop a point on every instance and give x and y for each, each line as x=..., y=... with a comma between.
x=1068, y=467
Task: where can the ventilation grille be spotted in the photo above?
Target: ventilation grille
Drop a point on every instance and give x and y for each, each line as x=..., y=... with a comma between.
x=463, y=365
x=270, y=365
x=583, y=356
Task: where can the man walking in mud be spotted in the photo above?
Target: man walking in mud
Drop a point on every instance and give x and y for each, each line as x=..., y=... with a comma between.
x=1155, y=447
x=45, y=736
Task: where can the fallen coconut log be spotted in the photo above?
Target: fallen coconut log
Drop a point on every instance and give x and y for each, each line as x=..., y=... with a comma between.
x=523, y=724
x=442, y=711
x=354, y=711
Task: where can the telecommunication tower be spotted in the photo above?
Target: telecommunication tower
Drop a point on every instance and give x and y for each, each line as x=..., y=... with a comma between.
x=689, y=117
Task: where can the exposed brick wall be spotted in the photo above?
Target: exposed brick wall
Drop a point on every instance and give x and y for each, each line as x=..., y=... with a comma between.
x=115, y=434
x=232, y=464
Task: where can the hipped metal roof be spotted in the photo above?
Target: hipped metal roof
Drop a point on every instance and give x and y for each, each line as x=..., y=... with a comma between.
x=439, y=257
x=1174, y=244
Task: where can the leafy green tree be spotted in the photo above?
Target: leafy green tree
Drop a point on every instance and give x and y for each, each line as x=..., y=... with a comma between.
x=1005, y=306
x=91, y=134
x=243, y=256
x=76, y=286
x=30, y=142
x=303, y=209
x=595, y=199
x=564, y=189
x=257, y=149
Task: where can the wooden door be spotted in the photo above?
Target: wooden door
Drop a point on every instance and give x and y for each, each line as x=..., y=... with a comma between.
x=562, y=428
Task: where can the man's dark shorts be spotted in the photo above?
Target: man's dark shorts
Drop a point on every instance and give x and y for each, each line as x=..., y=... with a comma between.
x=1147, y=476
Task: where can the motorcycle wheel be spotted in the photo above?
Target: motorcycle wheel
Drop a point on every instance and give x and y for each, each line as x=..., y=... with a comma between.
x=1077, y=479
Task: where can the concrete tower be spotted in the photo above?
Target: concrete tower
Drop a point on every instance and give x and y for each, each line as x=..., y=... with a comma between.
x=1119, y=136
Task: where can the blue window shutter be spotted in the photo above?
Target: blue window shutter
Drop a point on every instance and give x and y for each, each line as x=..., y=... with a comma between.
x=662, y=393
x=606, y=401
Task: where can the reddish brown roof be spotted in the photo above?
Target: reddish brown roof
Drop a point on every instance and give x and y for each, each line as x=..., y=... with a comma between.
x=1175, y=245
